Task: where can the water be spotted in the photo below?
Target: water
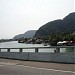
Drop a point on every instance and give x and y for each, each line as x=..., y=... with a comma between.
x=15, y=44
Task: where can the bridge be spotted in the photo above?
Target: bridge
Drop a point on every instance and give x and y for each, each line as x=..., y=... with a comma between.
x=30, y=66
x=65, y=57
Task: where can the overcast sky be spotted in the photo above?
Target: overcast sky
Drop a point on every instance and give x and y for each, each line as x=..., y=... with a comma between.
x=18, y=16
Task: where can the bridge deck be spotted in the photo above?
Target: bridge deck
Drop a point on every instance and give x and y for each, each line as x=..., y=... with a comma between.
x=47, y=65
x=17, y=67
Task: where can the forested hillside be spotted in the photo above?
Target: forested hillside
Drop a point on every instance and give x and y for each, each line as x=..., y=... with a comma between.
x=66, y=25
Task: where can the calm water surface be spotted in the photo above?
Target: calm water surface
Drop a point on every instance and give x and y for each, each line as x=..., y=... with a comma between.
x=15, y=44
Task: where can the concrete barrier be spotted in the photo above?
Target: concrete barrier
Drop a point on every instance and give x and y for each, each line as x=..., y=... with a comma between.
x=66, y=57
x=49, y=57
x=53, y=57
x=14, y=55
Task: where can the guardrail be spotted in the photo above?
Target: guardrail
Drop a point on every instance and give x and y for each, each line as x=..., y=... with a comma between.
x=56, y=56
x=57, y=48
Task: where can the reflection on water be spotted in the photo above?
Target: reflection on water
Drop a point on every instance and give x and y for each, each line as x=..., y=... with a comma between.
x=15, y=44
x=69, y=49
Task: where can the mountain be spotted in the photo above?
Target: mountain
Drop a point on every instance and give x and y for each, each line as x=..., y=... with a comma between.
x=66, y=25
x=28, y=34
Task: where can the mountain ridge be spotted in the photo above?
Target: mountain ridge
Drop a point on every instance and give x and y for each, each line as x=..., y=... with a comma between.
x=66, y=25
x=27, y=34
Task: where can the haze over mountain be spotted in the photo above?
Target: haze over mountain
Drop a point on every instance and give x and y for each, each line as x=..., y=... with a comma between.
x=28, y=34
x=66, y=25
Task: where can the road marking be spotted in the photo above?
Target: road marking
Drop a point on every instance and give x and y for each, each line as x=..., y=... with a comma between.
x=47, y=69
x=6, y=63
x=16, y=64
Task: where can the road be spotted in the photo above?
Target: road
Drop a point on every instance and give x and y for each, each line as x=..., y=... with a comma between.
x=16, y=67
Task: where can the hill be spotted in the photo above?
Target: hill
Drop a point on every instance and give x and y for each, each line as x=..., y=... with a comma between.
x=66, y=25
x=28, y=34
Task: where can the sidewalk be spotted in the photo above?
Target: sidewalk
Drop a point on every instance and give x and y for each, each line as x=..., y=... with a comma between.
x=47, y=65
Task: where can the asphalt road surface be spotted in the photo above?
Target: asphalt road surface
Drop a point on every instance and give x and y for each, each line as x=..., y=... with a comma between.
x=15, y=67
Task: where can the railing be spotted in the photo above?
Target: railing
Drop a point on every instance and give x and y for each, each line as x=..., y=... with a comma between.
x=65, y=57
x=57, y=48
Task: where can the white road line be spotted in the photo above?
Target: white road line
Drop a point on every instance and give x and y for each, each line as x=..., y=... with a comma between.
x=47, y=69
x=6, y=63
x=15, y=64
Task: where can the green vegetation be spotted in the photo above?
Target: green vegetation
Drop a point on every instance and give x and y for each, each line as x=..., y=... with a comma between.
x=52, y=39
x=53, y=32
x=56, y=37
x=67, y=25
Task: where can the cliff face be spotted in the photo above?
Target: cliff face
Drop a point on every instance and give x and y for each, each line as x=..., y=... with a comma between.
x=66, y=25
x=28, y=34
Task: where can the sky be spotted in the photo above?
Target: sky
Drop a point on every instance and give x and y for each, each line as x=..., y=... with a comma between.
x=19, y=16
